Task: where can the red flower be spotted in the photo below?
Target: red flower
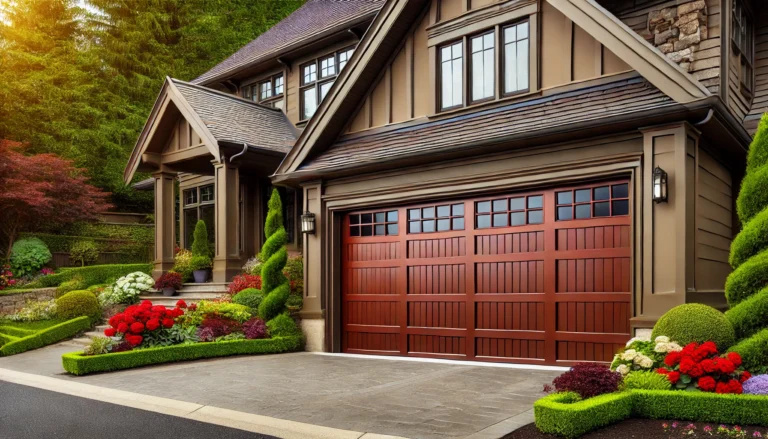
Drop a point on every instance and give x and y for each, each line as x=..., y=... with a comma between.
x=158, y=308
x=181, y=304
x=146, y=304
x=696, y=371
x=707, y=384
x=734, y=386
x=672, y=359
x=134, y=340
x=192, y=307
x=662, y=371
x=153, y=324
x=721, y=388
x=673, y=377
x=708, y=366
x=167, y=323
x=735, y=358
x=110, y=332
x=689, y=349
x=122, y=328
x=725, y=366
x=745, y=376
x=137, y=328
x=686, y=365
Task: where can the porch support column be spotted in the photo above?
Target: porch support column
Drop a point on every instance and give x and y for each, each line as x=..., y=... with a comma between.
x=312, y=315
x=165, y=223
x=227, y=262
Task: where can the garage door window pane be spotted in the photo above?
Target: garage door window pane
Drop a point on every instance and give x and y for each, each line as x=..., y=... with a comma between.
x=392, y=216
x=367, y=230
x=583, y=195
x=620, y=207
x=380, y=230
x=354, y=219
x=601, y=193
x=428, y=226
x=367, y=218
x=620, y=191
x=484, y=207
x=517, y=218
x=458, y=224
x=564, y=197
x=380, y=217
x=483, y=221
x=443, y=211
x=500, y=220
x=535, y=217
x=443, y=225
x=564, y=213
x=500, y=205
x=428, y=212
x=414, y=227
x=602, y=209
x=354, y=231
x=517, y=203
x=536, y=202
x=583, y=211
x=457, y=209
x=414, y=214
x=392, y=229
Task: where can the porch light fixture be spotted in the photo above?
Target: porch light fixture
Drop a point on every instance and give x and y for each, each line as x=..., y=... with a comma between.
x=308, y=222
x=659, y=185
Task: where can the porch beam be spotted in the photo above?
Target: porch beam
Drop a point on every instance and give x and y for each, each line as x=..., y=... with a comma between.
x=228, y=259
x=164, y=222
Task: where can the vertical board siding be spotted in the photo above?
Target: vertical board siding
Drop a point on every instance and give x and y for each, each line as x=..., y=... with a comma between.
x=714, y=223
x=551, y=293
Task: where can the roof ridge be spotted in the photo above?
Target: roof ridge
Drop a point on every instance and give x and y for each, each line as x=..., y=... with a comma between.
x=226, y=95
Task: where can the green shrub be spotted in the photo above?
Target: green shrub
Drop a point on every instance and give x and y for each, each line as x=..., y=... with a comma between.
x=78, y=303
x=565, y=414
x=95, y=274
x=274, y=255
x=752, y=239
x=182, y=264
x=250, y=297
x=695, y=322
x=749, y=316
x=99, y=345
x=294, y=270
x=644, y=380
x=748, y=279
x=200, y=240
x=199, y=263
x=284, y=326
x=79, y=364
x=84, y=253
x=29, y=256
x=754, y=352
x=753, y=197
x=700, y=406
x=71, y=285
x=758, y=150
x=45, y=337
x=233, y=311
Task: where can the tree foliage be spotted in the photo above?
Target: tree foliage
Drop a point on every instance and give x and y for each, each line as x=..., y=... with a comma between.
x=43, y=190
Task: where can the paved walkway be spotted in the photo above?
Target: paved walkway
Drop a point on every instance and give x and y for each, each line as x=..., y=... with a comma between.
x=402, y=398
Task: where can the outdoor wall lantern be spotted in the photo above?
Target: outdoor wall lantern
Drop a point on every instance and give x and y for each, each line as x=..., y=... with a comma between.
x=308, y=222
x=659, y=185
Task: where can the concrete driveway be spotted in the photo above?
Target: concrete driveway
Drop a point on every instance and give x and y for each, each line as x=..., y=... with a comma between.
x=394, y=397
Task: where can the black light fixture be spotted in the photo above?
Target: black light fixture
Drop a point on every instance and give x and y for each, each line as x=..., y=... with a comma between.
x=308, y=222
x=659, y=185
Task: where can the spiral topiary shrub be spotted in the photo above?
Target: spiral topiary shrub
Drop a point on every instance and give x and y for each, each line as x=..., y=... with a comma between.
x=753, y=197
x=283, y=326
x=749, y=316
x=250, y=297
x=748, y=279
x=751, y=240
x=694, y=322
x=274, y=284
x=29, y=256
x=78, y=303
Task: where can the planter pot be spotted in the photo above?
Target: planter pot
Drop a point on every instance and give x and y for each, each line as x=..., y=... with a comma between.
x=201, y=276
x=168, y=292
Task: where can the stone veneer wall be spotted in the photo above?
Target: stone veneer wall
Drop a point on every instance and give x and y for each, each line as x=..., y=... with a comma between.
x=677, y=31
x=14, y=302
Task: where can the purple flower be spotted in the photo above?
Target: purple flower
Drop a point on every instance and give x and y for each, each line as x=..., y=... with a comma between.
x=757, y=385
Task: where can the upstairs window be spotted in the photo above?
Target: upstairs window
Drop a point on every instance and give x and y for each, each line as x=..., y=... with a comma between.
x=516, y=58
x=451, y=76
x=317, y=78
x=483, y=66
x=743, y=41
x=269, y=91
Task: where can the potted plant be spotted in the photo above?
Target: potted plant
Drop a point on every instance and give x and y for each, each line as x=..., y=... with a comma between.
x=169, y=282
x=200, y=266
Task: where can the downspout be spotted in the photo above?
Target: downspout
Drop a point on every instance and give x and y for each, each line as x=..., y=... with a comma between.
x=706, y=119
x=245, y=148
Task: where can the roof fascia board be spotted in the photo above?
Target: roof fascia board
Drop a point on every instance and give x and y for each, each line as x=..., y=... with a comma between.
x=193, y=119
x=138, y=148
x=365, y=52
x=633, y=49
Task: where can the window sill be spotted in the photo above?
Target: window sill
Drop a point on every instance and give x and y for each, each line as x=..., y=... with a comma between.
x=487, y=104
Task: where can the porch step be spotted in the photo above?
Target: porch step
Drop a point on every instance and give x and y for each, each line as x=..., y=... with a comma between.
x=209, y=287
x=187, y=297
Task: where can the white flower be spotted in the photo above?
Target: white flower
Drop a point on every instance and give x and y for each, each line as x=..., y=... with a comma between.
x=629, y=355
x=646, y=363
x=662, y=339
x=660, y=347
x=674, y=347
x=623, y=369
x=632, y=340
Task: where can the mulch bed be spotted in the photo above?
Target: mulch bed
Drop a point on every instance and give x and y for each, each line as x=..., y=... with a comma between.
x=641, y=429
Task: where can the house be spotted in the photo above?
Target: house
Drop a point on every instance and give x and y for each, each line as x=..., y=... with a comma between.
x=528, y=181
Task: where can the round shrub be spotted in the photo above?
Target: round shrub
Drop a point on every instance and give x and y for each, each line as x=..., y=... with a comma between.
x=749, y=316
x=588, y=380
x=752, y=197
x=29, y=256
x=283, y=326
x=647, y=381
x=757, y=385
x=78, y=303
x=694, y=322
x=84, y=253
x=71, y=285
x=753, y=351
x=752, y=239
x=748, y=279
x=250, y=297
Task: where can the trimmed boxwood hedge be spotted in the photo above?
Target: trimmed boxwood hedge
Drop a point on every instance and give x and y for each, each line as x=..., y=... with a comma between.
x=38, y=339
x=754, y=352
x=78, y=364
x=95, y=274
x=749, y=316
x=564, y=414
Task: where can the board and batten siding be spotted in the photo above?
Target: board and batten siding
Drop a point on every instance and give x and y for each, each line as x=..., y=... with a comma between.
x=404, y=90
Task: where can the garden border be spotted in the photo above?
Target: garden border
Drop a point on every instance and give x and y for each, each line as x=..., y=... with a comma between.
x=78, y=364
x=566, y=415
x=44, y=337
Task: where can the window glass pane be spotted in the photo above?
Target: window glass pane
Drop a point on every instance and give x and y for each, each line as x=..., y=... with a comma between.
x=516, y=58
x=583, y=211
x=583, y=195
x=266, y=90
x=278, y=85
x=190, y=196
x=535, y=202
x=391, y=229
x=354, y=219
x=457, y=209
x=564, y=197
x=190, y=221
x=483, y=70
x=564, y=213
x=443, y=225
x=414, y=227
x=428, y=212
x=602, y=209
x=500, y=205
x=428, y=226
x=367, y=230
x=458, y=224
x=601, y=193
x=483, y=221
x=309, y=73
x=621, y=207
x=324, y=88
x=328, y=67
x=517, y=203
x=451, y=75
x=620, y=191
x=344, y=58
x=392, y=216
x=443, y=211
x=484, y=207
x=207, y=193
x=517, y=218
x=380, y=230
x=499, y=220
x=380, y=217
x=367, y=218
x=522, y=31
x=309, y=98
x=535, y=217
x=354, y=231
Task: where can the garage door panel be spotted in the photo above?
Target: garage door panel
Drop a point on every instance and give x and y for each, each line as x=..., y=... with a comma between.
x=518, y=316
x=372, y=280
x=437, y=314
x=372, y=313
x=593, y=317
x=515, y=277
x=437, y=344
x=437, y=248
x=593, y=275
x=437, y=279
x=509, y=349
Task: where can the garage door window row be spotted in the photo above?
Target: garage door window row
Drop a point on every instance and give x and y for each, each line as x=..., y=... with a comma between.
x=431, y=219
x=596, y=202
x=373, y=224
x=509, y=211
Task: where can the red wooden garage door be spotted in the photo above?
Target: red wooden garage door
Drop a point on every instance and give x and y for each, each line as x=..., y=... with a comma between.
x=539, y=277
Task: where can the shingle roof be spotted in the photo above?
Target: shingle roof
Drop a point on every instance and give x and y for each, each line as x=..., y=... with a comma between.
x=310, y=20
x=492, y=126
x=235, y=120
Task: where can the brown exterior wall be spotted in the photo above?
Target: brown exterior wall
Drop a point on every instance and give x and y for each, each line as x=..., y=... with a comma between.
x=760, y=103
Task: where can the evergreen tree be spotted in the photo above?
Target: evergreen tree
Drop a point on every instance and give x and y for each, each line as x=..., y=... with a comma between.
x=274, y=256
x=200, y=240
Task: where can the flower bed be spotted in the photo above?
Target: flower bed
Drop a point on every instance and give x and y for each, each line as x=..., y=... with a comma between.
x=15, y=341
x=78, y=364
